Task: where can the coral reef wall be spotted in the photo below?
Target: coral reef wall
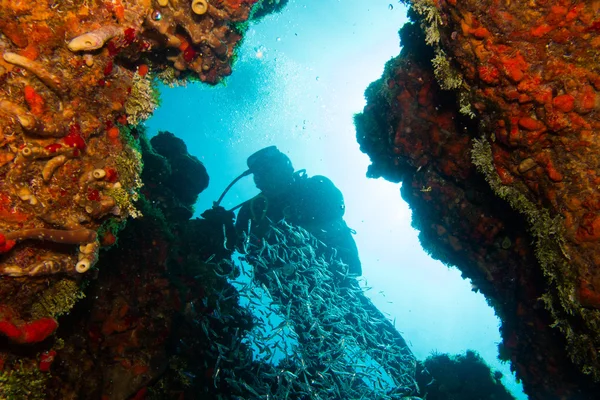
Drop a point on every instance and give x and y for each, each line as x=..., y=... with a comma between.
x=76, y=78
x=134, y=333
x=487, y=117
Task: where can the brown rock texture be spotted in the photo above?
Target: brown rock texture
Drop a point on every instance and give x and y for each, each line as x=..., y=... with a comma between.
x=487, y=117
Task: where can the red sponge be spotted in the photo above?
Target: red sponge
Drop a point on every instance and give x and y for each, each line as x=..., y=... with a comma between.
x=30, y=332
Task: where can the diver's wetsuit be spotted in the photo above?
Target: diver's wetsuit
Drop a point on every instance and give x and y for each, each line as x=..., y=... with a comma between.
x=313, y=203
x=316, y=205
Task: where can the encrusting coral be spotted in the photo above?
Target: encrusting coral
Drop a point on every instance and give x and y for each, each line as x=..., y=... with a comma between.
x=59, y=135
x=58, y=299
x=24, y=381
x=536, y=109
x=75, y=79
x=498, y=160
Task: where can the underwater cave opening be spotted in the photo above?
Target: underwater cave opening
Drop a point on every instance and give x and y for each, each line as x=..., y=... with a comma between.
x=298, y=80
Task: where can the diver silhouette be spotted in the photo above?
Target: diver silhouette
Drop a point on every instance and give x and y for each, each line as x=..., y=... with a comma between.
x=294, y=227
x=314, y=203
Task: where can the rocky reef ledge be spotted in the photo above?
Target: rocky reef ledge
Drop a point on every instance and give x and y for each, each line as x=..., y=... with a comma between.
x=488, y=118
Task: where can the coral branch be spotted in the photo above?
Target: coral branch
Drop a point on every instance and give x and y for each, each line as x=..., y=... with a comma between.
x=199, y=7
x=98, y=173
x=95, y=39
x=49, y=79
x=32, y=152
x=76, y=236
x=88, y=256
x=51, y=166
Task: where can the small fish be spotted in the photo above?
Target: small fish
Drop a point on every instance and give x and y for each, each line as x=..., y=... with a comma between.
x=189, y=375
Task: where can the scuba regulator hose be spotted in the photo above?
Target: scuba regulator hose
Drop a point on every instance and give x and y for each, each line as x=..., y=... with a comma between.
x=218, y=202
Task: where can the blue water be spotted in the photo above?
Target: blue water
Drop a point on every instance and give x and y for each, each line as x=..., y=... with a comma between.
x=298, y=82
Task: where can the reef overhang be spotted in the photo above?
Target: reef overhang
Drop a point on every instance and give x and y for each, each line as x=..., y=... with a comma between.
x=488, y=117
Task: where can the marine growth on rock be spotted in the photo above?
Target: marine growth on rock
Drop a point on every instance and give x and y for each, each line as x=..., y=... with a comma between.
x=487, y=116
x=76, y=77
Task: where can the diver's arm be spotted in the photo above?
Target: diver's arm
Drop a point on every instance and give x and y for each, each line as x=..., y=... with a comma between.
x=241, y=221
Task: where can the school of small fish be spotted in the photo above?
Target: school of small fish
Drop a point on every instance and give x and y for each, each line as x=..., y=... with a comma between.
x=327, y=342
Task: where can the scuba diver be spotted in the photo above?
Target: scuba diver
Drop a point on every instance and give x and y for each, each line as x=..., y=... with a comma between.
x=315, y=205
